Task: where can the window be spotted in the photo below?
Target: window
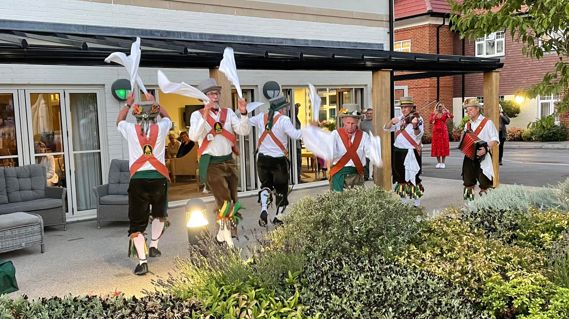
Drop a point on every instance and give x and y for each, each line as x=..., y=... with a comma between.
x=402, y=46
x=546, y=104
x=491, y=45
x=544, y=41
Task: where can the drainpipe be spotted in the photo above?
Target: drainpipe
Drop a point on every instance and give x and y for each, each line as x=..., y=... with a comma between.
x=463, y=80
x=391, y=41
x=438, y=52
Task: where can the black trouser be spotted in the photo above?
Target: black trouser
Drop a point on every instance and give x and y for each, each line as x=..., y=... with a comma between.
x=501, y=147
x=141, y=194
x=398, y=165
x=273, y=174
x=472, y=173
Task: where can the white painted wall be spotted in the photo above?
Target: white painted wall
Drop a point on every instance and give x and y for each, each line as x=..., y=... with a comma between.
x=115, y=15
x=367, y=6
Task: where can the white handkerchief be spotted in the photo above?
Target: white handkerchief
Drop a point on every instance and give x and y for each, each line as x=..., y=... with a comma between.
x=228, y=67
x=411, y=167
x=180, y=88
x=130, y=63
x=487, y=167
x=316, y=101
x=251, y=106
x=318, y=142
x=375, y=151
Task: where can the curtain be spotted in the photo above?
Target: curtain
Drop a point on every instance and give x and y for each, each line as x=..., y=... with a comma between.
x=85, y=138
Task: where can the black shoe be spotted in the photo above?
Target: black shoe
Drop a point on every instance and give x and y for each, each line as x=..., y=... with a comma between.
x=263, y=219
x=500, y=163
x=141, y=269
x=154, y=252
x=277, y=222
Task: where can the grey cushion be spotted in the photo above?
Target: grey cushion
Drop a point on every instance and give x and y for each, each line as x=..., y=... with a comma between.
x=114, y=200
x=119, y=177
x=18, y=219
x=3, y=193
x=25, y=183
x=31, y=205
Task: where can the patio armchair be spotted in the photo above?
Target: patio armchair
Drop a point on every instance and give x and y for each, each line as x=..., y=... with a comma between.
x=112, y=198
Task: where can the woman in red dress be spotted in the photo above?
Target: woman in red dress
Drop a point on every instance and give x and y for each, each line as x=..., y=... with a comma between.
x=440, y=142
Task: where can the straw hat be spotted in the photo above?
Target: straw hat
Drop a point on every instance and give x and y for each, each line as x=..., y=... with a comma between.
x=473, y=102
x=208, y=85
x=350, y=110
x=407, y=101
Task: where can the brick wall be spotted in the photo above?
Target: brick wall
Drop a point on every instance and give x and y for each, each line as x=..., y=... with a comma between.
x=424, y=40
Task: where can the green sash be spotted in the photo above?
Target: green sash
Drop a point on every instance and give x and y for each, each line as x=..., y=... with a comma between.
x=206, y=159
x=338, y=179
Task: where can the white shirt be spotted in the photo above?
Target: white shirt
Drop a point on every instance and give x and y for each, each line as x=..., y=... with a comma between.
x=219, y=146
x=489, y=132
x=128, y=131
x=339, y=149
x=400, y=140
x=281, y=129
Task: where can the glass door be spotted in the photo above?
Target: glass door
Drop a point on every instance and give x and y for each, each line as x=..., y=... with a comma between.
x=46, y=126
x=247, y=160
x=10, y=138
x=84, y=147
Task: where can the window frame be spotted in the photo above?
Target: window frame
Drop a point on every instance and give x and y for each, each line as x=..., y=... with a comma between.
x=401, y=44
x=486, y=39
x=551, y=100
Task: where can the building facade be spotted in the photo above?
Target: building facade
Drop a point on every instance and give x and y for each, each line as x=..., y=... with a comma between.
x=69, y=109
x=423, y=27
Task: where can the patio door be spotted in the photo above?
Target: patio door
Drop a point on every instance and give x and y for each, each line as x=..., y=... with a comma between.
x=11, y=144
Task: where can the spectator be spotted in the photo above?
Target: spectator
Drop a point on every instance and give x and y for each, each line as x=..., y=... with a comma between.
x=440, y=141
x=504, y=120
x=173, y=146
x=186, y=145
x=48, y=162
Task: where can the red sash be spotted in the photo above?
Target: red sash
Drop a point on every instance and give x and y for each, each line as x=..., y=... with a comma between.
x=147, y=145
x=272, y=135
x=479, y=128
x=220, y=130
x=351, y=152
x=409, y=139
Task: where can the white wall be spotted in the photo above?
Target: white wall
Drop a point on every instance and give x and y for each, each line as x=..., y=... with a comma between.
x=115, y=15
x=367, y=6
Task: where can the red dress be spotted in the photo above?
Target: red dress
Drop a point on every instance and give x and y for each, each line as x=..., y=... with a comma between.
x=440, y=142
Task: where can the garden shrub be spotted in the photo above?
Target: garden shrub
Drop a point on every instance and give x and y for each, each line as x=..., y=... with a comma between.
x=361, y=287
x=501, y=210
x=539, y=230
x=525, y=295
x=545, y=130
x=115, y=307
x=451, y=249
x=365, y=221
x=558, y=261
x=515, y=134
x=511, y=108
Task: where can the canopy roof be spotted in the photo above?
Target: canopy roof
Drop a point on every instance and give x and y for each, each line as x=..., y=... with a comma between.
x=65, y=44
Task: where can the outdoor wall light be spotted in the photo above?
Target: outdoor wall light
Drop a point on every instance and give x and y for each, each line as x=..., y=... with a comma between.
x=196, y=221
x=519, y=99
x=120, y=89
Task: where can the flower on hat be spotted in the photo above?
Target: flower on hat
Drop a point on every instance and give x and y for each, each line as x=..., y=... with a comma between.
x=343, y=111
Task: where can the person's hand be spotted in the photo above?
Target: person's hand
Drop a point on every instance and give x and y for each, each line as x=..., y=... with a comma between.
x=208, y=107
x=150, y=97
x=481, y=152
x=130, y=98
x=314, y=123
x=394, y=120
x=242, y=104
x=415, y=122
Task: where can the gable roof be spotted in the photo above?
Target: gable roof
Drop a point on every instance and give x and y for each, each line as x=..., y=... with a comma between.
x=410, y=8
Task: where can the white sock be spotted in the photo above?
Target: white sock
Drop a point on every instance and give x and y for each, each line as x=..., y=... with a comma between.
x=157, y=228
x=404, y=200
x=141, y=261
x=264, y=199
x=140, y=244
x=417, y=202
x=280, y=211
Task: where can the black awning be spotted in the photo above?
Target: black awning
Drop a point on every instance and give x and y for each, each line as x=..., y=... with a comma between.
x=49, y=43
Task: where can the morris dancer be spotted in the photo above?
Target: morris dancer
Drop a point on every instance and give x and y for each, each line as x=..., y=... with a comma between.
x=214, y=129
x=350, y=147
x=149, y=175
x=406, y=158
x=272, y=162
x=479, y=169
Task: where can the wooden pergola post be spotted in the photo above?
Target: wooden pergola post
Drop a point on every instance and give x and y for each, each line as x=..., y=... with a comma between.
x=381, y=101
x=492, y=111
x=226, y=86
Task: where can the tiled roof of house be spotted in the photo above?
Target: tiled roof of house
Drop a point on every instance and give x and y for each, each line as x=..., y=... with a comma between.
x=409, y=8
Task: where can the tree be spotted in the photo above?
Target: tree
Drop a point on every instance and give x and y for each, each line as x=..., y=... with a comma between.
x=541, y=25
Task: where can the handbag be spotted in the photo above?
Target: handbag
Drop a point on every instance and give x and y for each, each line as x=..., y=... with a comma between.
x=8, y=281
